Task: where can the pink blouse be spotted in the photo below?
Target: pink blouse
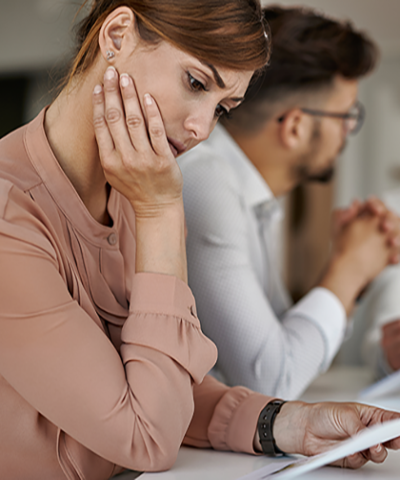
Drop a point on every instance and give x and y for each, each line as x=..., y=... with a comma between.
x=100, y=368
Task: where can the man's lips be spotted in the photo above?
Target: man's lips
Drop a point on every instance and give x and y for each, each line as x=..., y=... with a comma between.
x=176, y=147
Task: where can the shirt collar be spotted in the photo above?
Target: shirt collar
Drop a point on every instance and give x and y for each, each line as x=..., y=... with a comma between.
x=62, y=190
x=254, y=188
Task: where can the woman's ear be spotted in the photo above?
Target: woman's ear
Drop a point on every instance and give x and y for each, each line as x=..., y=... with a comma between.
x=295, y=129
x=118, y=34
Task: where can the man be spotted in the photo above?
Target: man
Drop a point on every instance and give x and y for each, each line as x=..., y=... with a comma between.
x=290, y=129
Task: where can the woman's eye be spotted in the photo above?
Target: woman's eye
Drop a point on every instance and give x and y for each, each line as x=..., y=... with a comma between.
x=221, y=111
x=195, y=84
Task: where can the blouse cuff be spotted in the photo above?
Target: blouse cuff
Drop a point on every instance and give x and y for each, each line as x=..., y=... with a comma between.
x=234, y=422
x=159, y=293
x=163, y=317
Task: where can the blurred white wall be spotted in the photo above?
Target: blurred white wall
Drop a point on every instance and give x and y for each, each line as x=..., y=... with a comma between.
x=378, y=17
x=34, y=34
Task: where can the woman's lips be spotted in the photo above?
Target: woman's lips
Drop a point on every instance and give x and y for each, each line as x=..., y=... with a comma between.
x=176, y=147
x=173, y=149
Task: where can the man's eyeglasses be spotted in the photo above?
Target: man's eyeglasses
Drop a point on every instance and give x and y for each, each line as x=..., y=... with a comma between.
x=353, y=119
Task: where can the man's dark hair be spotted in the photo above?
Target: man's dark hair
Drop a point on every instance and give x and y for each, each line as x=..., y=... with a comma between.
x=308, y=51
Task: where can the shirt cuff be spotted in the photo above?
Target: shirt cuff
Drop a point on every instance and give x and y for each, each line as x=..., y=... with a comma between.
x=326, y=312
x=234, y=422
x=163, y=317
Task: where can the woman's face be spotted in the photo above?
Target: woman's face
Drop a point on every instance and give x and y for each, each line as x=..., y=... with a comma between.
x=190, y=94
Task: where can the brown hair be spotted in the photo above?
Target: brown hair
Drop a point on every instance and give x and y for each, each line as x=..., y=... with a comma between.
x=227, y=33
x=308, y=51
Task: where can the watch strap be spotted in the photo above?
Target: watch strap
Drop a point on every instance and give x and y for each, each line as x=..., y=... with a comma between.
x=265, y=425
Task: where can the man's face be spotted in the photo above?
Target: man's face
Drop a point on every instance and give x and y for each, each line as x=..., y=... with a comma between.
x=328, y=136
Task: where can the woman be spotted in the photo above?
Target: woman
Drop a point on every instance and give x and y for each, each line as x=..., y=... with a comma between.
x=102, y=359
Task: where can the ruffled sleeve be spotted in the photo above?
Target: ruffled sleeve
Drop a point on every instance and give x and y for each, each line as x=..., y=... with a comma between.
x=131, y=408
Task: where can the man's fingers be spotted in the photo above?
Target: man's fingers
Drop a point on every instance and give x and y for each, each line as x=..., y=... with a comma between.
x=375, y=206
x=391, y=329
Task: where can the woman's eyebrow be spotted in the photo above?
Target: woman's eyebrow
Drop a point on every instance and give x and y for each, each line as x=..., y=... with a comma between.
x=217, y=76
x=237, y=99
x=220, y=82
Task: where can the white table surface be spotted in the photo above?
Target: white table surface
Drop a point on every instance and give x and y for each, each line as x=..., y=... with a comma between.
x=338, y=384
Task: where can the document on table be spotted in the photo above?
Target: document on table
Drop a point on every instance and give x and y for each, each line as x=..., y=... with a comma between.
x=385, y=386
x=285, y=469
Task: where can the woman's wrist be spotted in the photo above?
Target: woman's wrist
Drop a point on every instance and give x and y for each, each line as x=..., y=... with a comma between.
x=158, y=210
x=265, y=427
x=160, y=242
x=289, y=427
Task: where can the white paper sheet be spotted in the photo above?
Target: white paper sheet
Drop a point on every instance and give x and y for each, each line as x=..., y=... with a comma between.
x=380, y=433
x=387, y=386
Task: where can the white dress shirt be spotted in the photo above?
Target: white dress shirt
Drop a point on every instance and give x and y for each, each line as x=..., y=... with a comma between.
x=233, y=218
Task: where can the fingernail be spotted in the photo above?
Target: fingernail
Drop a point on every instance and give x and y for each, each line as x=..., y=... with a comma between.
x=378, y=448
x=124, y=80
x=110, y=73
x=97, y=89
x=147, y=99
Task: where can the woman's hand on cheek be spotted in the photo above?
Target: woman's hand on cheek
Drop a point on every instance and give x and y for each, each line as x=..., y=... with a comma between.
x=135, y=154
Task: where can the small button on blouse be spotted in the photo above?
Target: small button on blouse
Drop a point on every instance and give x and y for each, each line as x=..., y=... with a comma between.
x=112, y=239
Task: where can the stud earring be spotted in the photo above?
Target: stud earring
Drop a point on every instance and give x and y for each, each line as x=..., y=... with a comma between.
x=110, y=55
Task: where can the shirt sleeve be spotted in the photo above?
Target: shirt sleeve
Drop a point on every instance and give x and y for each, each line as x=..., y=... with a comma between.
x=379, y=305
x=275, y=356
x=132, y=408
x=225, y=418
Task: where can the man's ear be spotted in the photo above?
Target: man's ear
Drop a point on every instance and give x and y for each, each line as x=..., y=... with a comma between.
x=295, y=129
x=118, y=34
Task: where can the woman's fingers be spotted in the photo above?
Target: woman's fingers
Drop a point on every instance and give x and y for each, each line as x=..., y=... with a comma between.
x=134, y=118
x=139, y=132
x=103, y=136
x=377, y=454
x=157, y=134
x=120, y=122
x=115, y=112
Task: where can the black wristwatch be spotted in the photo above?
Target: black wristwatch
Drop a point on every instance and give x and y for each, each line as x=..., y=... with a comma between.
x=265, y=425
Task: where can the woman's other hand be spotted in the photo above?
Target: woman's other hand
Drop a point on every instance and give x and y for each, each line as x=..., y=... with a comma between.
x=310, y=429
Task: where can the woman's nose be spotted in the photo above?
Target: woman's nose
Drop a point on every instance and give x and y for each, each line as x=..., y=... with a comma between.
x=200, y=124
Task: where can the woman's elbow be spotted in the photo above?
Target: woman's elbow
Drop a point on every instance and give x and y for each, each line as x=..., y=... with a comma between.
x=155, y=459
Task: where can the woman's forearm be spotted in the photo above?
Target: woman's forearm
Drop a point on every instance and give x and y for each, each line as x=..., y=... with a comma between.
x=161, y=242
